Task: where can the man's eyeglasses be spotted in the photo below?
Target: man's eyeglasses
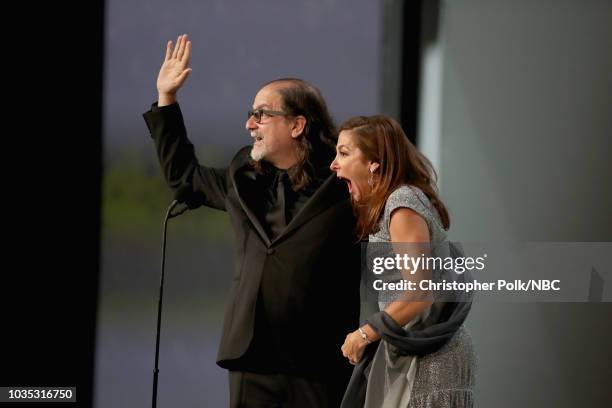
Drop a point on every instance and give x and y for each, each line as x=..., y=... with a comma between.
x=257, y=114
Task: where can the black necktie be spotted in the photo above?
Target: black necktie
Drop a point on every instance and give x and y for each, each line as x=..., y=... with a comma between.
x=275, y=216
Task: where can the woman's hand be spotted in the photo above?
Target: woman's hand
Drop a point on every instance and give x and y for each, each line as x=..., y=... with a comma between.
x=353, y=347
x=174, y=70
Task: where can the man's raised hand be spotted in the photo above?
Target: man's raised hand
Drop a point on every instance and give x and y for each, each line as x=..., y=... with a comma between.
x=174, y=71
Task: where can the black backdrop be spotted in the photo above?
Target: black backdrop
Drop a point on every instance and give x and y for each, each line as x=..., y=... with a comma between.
x=51, y=168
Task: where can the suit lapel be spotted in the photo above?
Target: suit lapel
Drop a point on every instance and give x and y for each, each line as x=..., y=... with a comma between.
x=250, y=194
x=326, y=196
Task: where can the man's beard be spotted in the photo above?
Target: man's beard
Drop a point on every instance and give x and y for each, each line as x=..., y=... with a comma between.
x=258, y=153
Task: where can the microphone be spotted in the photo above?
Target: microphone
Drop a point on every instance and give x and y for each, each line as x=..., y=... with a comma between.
x=183, y=195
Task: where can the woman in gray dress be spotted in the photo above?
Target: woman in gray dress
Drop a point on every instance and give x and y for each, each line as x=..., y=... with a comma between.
x=412, y=353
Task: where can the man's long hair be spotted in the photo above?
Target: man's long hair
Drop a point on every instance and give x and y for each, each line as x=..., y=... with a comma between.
x=316, y=145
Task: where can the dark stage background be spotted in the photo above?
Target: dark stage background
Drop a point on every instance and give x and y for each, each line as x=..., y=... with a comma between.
x=510, y=101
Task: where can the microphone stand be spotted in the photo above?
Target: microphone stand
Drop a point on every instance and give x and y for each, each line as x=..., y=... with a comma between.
x=169, y=215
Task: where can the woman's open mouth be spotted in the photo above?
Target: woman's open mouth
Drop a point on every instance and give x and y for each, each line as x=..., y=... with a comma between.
x=348, y=183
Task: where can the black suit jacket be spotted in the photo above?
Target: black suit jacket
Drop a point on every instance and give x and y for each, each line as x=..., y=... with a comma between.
x=308, y=275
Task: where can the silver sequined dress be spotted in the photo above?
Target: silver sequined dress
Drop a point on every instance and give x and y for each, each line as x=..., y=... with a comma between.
x=443, y=379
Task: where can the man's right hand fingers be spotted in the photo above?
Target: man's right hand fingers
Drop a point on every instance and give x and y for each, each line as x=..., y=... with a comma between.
x=187, y=53
x=168, y=50
x=180, y=51
x=184, y=76
x=176, y=46
x=182, y=46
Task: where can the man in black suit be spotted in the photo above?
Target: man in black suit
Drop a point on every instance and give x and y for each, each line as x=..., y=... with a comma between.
x=295, y=290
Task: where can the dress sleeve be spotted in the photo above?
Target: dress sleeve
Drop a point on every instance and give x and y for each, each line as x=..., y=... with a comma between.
x=406, y=197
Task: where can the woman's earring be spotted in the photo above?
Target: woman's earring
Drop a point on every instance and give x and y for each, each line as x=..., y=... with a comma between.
x=371, y=178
